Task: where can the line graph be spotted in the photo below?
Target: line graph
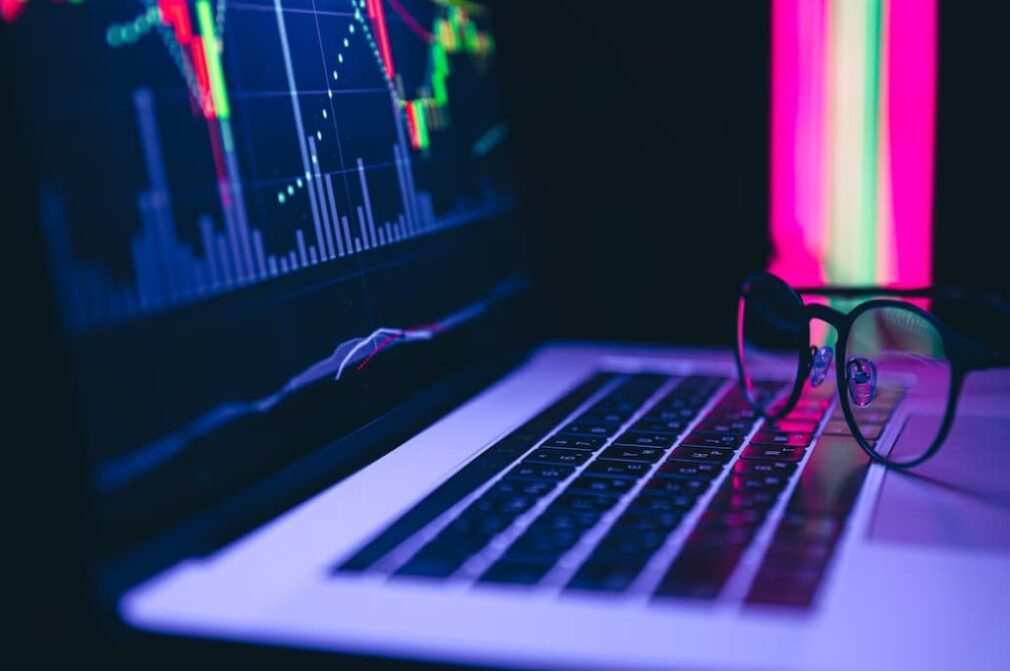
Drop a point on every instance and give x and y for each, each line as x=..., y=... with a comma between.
x=358, y=351
x=178, y=259
x=453, y=33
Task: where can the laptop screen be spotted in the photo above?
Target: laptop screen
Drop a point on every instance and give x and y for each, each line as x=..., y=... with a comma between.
x=261, y=218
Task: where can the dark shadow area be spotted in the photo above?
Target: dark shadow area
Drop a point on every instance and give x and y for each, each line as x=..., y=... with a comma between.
x=642, y=135
x=972, y=147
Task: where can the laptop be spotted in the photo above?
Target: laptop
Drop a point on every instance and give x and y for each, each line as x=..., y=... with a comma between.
x=287, y=270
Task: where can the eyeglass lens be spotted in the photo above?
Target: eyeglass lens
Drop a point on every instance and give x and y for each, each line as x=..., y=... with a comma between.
x=772, y=336
x=889, y=350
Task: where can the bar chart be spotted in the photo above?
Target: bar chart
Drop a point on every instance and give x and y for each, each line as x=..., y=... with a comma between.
x=171, y=272
x=178, y=257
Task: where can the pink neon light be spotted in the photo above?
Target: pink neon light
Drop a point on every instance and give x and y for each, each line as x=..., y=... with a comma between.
x=10, y=9
x=796, y=140
x=378, y=16
x=802, y=115
x=912, y=53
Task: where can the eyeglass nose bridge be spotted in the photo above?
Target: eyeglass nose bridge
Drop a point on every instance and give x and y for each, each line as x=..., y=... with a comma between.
x=820, y=364
x=861, y=380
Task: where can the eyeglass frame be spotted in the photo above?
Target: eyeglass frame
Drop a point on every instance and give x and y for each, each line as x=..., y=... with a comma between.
x=965, y=354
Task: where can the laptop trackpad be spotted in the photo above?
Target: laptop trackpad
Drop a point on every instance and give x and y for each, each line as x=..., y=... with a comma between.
x=960, y=497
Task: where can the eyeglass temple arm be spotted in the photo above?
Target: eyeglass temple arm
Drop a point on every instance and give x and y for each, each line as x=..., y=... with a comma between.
x=982, y=356
x=945, y=293
x=854, y=292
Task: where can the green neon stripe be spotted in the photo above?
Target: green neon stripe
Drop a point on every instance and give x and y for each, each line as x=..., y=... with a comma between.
x=470, y=42
x=440, y=70
x=867, y=256
x=421, y=121
x=212, y=51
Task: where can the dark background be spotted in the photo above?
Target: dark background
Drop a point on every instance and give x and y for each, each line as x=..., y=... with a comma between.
x=642, y=134
x=971, y=244
x=643, y=137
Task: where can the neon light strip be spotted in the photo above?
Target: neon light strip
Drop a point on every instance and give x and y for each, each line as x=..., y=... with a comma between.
x=853, y=106
x=884, y=244
x=378, y=16
x=212, y=52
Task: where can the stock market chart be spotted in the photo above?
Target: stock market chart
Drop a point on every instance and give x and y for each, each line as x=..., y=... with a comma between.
x=317, y=72
x=243, y=197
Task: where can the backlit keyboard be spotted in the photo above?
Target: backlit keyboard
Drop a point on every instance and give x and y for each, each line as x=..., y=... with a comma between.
x=641, y=483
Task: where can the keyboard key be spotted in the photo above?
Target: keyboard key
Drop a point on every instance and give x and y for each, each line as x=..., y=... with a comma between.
x=541, y=471
x=730, y=519
x=432, y=562
x=529, y=487
x=698, y=573
x=674, y=426
x=730, y=500
x=592, y=428
x=495, y=503
x=798, y=556
x=621, y=469
x=764, y=467
x=683, y=415
x=846, y=442
x=621, y=408
x=800, y=529
x=793, y=426
x=544, y=544
x=551, y=455
x=604, y=575
x=644, y=454
x=721, y=539
x=603, y=416
x=781, y=438
x=636, y=524
x=864, y=416
x=592, y=484
x=841, y=428
x=515, y=572
x=640, y=439
x=478, y=525
x=726, y=441
x=735, y=427
x=806, y=417
x=578, y=502
x=708, y=455
x=738, y=415
x=784, y=587
x=619, y=543
x=450, y=549
x=837, y=427
x=690, y=468
x=810, y=404
x=831, y=479
x=660, y=485
x=573, y=442
x=670, y=502
x=773, y=453
x=747, y=482
x=563, y=519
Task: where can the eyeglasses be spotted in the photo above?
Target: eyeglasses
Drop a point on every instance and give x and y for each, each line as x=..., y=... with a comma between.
x=885, y=349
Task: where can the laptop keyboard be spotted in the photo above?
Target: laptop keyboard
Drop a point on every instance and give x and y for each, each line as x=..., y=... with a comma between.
x=642, y=483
